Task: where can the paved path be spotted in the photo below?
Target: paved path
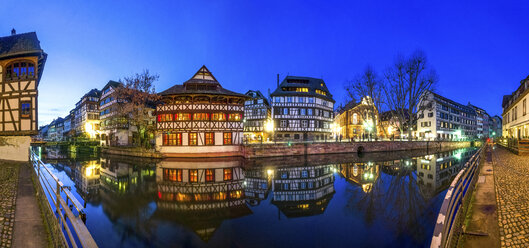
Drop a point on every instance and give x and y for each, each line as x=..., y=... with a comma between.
x=511, y=173
x=20, y=218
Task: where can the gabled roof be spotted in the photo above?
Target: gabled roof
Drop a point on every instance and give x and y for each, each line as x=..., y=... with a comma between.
x=203, y=82
x=312, y=84
x=112, y=84
x=19, y=45
x=257, y=95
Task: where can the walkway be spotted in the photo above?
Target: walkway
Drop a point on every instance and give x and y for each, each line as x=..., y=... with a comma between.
x=20, y=217
x=511, y=173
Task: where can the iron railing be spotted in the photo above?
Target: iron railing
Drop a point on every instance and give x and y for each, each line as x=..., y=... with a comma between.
x=68, y=210
x=448, y=226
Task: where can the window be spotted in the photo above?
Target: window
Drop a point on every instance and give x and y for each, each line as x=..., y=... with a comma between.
x=193, y=141
x=172, y=175
x=304, y=174
x=193, y=176
x=430, y=114
x=321, y=92
x=20, y=70
x=234, y=117
x=228, y=174
x=210, y=139
x=309, y=112
x=355, y=118
x=172, y=139
x=165, y=117
x=285, y=111
x=25, y=110
x=283, y=123
x=201, y=117
x=289, y=99
x=302, y=111
x=227, y=139
x=311, y=99
x=218, y=117
x=304, y=123
x=210, y=175
x=293, y=111
x=524, y=107
x=301, y=99
x=284, y=175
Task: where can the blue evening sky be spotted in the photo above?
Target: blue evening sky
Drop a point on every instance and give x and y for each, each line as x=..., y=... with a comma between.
x=480, y=49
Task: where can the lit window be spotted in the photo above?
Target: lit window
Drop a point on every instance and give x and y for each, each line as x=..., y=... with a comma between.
x=321, y=92
x=165, y=117
x=228, y=174
x=193, y=176
x=183, y=117
x=173, y=175
x=172, y=139
x=200, y=117
x=210, y=139
x=193, y=141
x=218, y=117
x=210, y=175
x=234, y=117
x=227, y=139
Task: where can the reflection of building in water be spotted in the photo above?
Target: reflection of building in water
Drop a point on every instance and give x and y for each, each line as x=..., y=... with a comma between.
x=87, y=177
x=257, y=184
x=200, y=193
x=121, y=176
x=304, y=190
x=436, y=172
x=362, y=174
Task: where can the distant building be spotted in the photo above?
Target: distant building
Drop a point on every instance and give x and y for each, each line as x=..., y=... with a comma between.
x=200, y=118
x=356, y=121
x=87, y=114
x=442, y=118
x=302, y=109
x=482, y=122
x=257, y=113
x=514, y=115
x=22, y=62
x=496, y=126
x=115, y=130
x=67, y=127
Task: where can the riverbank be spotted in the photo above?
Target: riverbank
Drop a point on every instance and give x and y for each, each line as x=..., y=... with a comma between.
x=297, y=149
x=303, y=149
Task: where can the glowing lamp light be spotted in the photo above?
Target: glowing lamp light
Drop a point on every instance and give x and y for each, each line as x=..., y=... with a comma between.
x=269, y=172
x=269, y=126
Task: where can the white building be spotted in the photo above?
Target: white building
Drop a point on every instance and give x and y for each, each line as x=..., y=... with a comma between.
x=515, y=118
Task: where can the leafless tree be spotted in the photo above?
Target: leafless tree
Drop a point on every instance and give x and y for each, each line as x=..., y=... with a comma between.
x=405, y=83
x=137, y=100
x=369, y=86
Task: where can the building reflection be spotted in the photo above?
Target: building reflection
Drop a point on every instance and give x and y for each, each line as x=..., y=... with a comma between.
x=200, y=193
x=257, y=184
x=87, y=178
x=362, y=174
x=436, y=172
x=303, y=190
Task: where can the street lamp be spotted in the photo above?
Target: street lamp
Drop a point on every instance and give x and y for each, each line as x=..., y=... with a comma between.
x=368, y=125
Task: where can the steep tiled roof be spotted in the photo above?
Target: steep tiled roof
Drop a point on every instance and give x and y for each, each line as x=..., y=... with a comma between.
x=202, y=82
x=112, y=84
x=257, y=94
x=312, y=84
x=18, y=44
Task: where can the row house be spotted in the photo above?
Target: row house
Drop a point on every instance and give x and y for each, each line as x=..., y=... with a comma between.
x=87, y=114
x=442, y=118
x=515, y=117
x=22, y=63
x=482, y=122
x=200, y=117
x=302, y=109
x=257, y=114
x=115, y=129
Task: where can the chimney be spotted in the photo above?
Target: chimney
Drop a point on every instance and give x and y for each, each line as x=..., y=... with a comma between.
x=13, y=31
x=278, y=80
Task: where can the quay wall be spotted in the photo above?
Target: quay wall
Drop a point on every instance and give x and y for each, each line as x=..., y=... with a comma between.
x=14, y=148
x=297, y=149
x=133, y=152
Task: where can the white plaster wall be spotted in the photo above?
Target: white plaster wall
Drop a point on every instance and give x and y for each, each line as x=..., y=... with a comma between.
x=15, y=148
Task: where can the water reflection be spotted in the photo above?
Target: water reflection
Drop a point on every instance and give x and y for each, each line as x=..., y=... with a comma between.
x=134, y=202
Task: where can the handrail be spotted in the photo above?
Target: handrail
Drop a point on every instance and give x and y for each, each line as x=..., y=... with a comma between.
x=73, y=224
x=460, y=189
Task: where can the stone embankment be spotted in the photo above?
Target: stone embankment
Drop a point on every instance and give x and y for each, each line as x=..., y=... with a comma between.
x=297, y=149
x=131, y=151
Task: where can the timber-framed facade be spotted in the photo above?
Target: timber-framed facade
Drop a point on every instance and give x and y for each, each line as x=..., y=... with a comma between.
x=200, y=118
x=21, y=65
x=256, y=113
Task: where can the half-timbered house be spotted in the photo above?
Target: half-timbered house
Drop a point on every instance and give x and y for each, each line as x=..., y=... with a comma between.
x=200, y=118
x=256, y=114
x=21, y=65
x=302, y=109
x=87, y=114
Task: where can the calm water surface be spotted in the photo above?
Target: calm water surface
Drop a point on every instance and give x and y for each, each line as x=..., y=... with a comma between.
x=376, y=200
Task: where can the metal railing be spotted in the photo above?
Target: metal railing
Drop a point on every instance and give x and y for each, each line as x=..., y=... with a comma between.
x=449, y=222
x=70, y=217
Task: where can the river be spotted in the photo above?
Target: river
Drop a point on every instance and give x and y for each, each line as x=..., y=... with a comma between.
x=372, y=200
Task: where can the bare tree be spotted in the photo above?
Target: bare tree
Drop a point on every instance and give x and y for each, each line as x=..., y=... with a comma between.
x=406, y=82
x=137, y=101
x=368, y=86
